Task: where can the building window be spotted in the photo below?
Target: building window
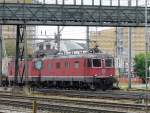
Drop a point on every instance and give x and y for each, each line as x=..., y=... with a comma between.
x=67, y=65
x=58, y=65
x=96, y=62
x=76, y=64
x=41, y=47
x=48, y=47
x=108, y=62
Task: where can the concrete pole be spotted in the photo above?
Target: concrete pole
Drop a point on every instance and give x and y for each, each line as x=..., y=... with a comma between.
x=119, y=46
x=137, y=3
x=129, y=56
x=146, y=43
x=129, y=52
x=93, y=2
x=25, y=57
x=74, y=2
x=82, y=2
x=118, y=2
x=56, y=1
x=87, y=36
x=146, y=59
x=100, y=2
x=110, y=2
x=58, y=38
x=1, y=54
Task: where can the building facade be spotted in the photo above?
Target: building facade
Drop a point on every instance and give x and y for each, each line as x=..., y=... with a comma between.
x=9, y=31
x=115, y=41
x=16, y=1
x=107, y=40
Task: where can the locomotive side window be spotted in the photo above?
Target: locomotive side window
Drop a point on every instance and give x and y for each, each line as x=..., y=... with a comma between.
x=67, y=65
x=96, y=62
x=76, y=64
x=58, y=65
x=49, y=66
x=108, y=62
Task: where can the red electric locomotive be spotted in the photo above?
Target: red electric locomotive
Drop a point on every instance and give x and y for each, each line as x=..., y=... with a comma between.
x=86, y=70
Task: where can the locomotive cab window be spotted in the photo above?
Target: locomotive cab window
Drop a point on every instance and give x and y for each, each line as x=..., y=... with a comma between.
x=48, y=47
x=89, y=63
x=96, y=62
x=76, y=64
x=41, y=47
x=109, y=62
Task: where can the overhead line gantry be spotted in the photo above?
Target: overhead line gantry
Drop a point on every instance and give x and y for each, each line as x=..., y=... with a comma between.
x=72, y=15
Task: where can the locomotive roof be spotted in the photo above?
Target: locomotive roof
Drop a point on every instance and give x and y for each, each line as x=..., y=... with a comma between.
x=83, y=55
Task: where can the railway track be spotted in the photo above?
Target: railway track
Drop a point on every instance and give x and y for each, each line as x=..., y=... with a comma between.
x=117, y=94
x=113, y=95
x=57, y=107
x=97, y=94
x=68, y=105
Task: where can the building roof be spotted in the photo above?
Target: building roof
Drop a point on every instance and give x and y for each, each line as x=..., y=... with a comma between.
x=65, y=45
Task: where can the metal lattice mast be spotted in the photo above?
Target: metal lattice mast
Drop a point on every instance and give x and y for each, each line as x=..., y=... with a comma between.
x=119, y=46
x=19, y=51
x=119, y=41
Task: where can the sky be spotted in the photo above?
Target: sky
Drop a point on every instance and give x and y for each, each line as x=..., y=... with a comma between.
x=96, y=2
x=78, y=32
x=72, y=32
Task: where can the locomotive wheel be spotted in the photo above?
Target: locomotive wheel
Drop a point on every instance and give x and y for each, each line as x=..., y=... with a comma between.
x=92, y=87
x=108, y=83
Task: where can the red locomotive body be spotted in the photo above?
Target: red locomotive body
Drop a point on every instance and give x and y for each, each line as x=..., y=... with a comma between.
x=83, y=70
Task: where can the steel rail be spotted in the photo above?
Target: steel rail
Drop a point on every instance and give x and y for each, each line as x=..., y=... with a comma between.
x=55, y=107
x=87, y=94
x=96, y=94
x=79, y=102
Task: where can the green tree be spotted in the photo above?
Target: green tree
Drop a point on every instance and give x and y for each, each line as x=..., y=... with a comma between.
x=10, y=47
x=139, y=66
